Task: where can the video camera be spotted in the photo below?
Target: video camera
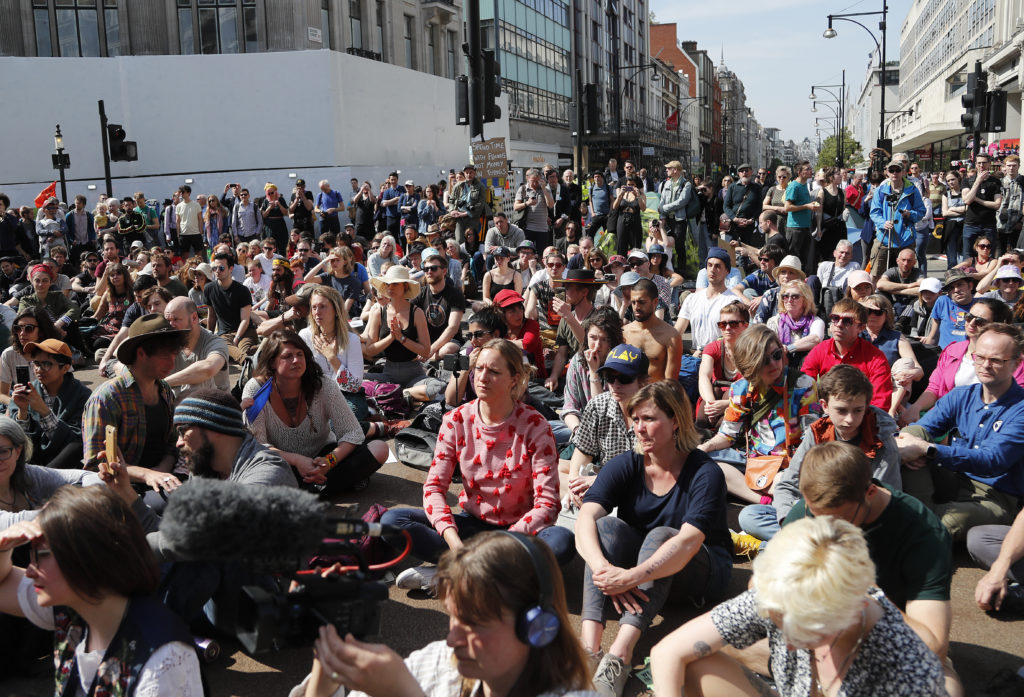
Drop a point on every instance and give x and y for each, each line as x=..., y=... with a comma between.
x=273, y=536
x=455, y=362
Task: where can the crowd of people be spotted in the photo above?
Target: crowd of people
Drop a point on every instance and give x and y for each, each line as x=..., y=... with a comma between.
x=609, y=362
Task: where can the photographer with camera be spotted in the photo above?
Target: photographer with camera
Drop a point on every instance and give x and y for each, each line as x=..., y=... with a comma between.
x=509, y=634
x=537, y=200
x=896, y=205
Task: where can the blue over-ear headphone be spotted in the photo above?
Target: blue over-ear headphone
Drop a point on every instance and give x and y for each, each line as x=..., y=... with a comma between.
x=538, y=625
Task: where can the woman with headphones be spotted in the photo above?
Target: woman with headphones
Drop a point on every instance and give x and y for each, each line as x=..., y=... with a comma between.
x=508, y=634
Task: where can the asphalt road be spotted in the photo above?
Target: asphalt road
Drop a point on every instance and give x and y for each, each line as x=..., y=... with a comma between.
x=981, y=644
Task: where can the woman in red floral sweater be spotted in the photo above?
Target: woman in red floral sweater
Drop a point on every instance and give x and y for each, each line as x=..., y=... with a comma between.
x=505, y=452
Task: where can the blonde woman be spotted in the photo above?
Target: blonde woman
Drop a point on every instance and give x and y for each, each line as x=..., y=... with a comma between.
x=829, y=630
x=335, y=347
x=797, y=325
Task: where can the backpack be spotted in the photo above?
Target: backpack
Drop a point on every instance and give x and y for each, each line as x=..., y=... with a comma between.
x=414, y=446
x=386, y=398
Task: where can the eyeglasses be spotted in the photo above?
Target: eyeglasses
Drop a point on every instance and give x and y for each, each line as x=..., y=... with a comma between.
x=611, y=378
x=730, y=323
x=432, y=267
x=478, y=334
x=42, y=365
x=24, y=327
x=5, y=453
x=774, y=357
x=792, y=296
x=35, y=554
x=978, y=321
x=996, y=363
x=840, y=321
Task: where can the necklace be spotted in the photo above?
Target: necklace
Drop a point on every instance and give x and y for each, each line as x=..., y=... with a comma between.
x=846, y=661
x=9, y=504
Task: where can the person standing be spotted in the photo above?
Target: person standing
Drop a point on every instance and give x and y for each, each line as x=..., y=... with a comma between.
x=536, y=199
x=743, y=206
x=896, y=205
x=189, y=215
x=983, y=195
x=274, y=212
x=300, y=207
x=1011, y=209
x=801, y=207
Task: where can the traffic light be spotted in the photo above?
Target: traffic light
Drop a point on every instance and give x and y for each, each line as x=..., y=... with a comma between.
x=462, y=101
x=995, y=107
x=492, y=87
x=592, y=119
x=121, y=150
x=975, y=117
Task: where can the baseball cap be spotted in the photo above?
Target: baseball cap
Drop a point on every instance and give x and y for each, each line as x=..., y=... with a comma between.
x=54, y=347
x=639, y=254
x=429, y=252
x=628, y=279
x=933, y=285
x=626, y=359
x=508, y=297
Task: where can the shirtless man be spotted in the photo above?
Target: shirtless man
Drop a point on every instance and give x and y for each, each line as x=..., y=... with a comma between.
x=661, y=343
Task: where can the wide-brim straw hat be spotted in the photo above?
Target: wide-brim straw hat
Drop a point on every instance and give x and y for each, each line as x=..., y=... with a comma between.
x=396, y=274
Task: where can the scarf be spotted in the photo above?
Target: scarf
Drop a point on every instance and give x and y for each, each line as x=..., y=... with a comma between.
x=788, y=327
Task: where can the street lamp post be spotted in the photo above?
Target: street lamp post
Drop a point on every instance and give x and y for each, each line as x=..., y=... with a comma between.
x=841, y=115
x=618, y=102
x=61, y=162
x=831, y=33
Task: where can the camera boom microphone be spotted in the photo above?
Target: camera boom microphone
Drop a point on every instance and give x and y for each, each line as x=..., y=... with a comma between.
x=211, y=519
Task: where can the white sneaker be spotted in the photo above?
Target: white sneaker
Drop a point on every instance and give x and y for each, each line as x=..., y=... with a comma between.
x=418, y=578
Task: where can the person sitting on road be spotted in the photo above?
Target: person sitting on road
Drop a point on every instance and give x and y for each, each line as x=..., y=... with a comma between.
x=505, y=453
x=669, y=538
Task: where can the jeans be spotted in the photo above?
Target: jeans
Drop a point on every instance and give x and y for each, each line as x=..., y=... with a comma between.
x=972, y=233
x=760, y=520
x=921, y=246
x=561, y=432
x=429, y=546
x=953, y=230
x=706, y=575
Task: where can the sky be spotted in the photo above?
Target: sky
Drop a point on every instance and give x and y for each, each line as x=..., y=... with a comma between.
x=777, y=49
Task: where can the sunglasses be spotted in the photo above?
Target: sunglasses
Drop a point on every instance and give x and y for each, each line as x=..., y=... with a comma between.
x=875, y=312
x=984, y=246
x=478, y=334
x=774, y=357
x=792, y=296
x=840, y=321
x=978, y=321
x=730, y=323
x=634, y=264
x=612, y=378
x=24, y=327
x=432, y=267
x=764, y=258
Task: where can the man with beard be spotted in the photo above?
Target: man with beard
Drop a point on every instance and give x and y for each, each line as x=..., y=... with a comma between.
x=213, y=442
x=203, y=360
x=658, y=340
x=161, y=266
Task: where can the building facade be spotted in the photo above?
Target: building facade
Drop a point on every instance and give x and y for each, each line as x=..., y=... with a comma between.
x=1005, y=68
x=939, y=44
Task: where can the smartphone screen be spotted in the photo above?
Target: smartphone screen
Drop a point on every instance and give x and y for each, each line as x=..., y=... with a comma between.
x=21, y=374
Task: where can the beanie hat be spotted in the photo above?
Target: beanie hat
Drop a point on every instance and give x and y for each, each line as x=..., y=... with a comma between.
x=210, y=409
x=721, y=255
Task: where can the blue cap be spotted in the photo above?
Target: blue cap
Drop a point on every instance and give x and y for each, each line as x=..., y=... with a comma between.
x=429, y=252
x=627, y=360
x=656, y=249
x=721, y=255
x=629, y=279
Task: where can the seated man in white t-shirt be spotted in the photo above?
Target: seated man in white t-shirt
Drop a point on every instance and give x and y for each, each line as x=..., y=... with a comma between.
x=701, y=308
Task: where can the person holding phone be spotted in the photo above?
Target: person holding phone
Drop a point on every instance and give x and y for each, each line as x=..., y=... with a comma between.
x=630, y=201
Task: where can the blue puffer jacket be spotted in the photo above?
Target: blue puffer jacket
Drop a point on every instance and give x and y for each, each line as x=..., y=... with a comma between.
x=903, y=234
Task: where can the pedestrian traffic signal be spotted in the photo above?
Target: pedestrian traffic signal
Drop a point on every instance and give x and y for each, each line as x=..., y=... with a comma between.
x=492, y=86
x=995, y=108
x=974, y=117
x=592, y=119
x=462, y=101
x=121, y=150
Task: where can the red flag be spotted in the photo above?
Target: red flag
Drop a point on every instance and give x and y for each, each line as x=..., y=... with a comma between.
x=46, y=193
x=672, y=123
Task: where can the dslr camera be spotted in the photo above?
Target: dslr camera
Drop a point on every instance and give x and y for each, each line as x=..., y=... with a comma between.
x=455, y=362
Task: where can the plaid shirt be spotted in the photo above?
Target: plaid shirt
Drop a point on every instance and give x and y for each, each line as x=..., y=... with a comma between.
x=118, y=402
x=48, y=423
x=603, y=432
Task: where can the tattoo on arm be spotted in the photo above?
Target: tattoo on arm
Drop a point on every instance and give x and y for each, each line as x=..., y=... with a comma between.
x=701, y=649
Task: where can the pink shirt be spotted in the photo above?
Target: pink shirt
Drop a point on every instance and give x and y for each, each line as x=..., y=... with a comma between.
x=943, y=378
x=509, y=470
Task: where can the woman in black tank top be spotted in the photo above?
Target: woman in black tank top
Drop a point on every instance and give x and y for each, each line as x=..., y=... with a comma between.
x=398, y=330
x=830, y=215
x=501, y=277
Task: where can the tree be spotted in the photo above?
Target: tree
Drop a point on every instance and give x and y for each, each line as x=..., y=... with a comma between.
x=851, y=151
